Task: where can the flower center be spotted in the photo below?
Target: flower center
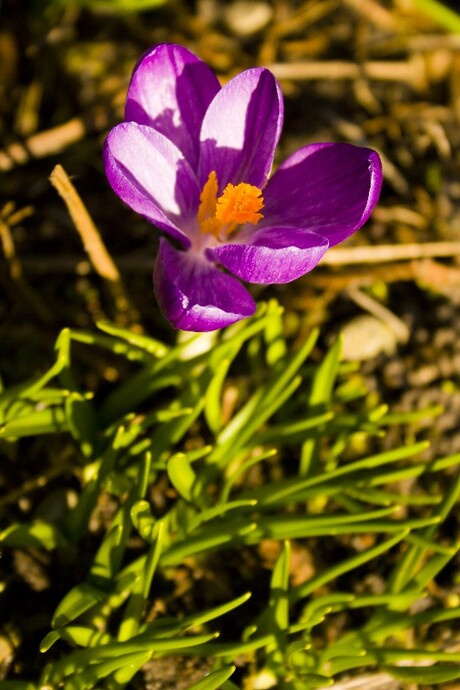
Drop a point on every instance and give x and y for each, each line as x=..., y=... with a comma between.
x=237, y=204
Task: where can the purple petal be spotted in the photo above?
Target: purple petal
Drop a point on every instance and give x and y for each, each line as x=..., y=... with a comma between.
x=151, y=175
x=194, y=294
x=330, y=189
x=271, y=255
x=170, y=90
x=241, y=129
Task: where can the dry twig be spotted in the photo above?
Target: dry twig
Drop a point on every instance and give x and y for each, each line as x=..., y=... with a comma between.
x=92, y=241
x=42, y=144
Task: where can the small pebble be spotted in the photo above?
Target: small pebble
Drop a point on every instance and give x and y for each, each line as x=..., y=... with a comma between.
x=245, y=18
x=366, y=337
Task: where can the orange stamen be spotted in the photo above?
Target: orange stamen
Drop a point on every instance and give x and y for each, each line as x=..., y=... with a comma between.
x=238, y=204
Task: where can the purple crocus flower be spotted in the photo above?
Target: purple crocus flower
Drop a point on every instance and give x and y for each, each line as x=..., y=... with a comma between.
x=194, y=158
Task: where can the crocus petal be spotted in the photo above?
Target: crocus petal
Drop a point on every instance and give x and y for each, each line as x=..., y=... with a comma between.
x=271, y=255
x=195, y=295
x=330, y=189
x=152, y=176
x=170, y=90
x=241, y=129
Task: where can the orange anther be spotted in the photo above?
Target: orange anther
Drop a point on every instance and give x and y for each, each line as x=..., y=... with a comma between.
x=238, y=204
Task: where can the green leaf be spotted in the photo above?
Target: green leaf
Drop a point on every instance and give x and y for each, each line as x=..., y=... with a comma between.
x=318, y=402
x=291, y=432
x=279, y=586
x=81, y=419
x=182, y=476
x=286, y=490
x=213, y=680
x=213, y=407
x=202, y=617
x=143, y=521
x=406, y=569
x=76, y=634
x=274, y=335
x=216, y=511
x=105, y=563
x=276, y=617
x=77, y=520
x=425, y=675
x=131, y=621
x=81, y=598
x=445, y=17
x=43, y=421
x=35, y=535
x=154, y=348
x=345, y=566
x=262, y=405
x=87, y=678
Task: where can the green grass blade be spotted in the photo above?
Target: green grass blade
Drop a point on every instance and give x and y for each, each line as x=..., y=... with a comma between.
x=182, y=476
x=37, y=534
x=214, y=680
x=345, y=566
x=431, y=675
x=445, y=17
x=320, y=396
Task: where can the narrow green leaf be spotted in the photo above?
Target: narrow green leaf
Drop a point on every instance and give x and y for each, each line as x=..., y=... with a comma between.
x=206, y=542
x=348, y=663
x=319, y=399
x=105, y=563
x=347, y=565
x=182, y=476
x=131, y=622
x=81, y=419
x=287, y=489
x=37, y=534
x=213, y=406
x=241, y=469
x=77, y=519
x=124, y=674
x=153, y=347
x=276, y=617
x=153, y=558
x=291, y=432
x=385, y=497
x=425, y=675
x=263, y=403
x=325, y=376
x=444, y=16
x=405, y=569
x=143, y=521
x=316, y=680
x=223, y=452
x=90, y=676
x=230, y=650
x=49, y=639
x=431, y=569
x=81, y=598
x=43, y=421
x=428, y=545
x=216, y=511
x=213, y=680
x=274, y=335
x=203, y=617
x=279, y=527
x=76, y=634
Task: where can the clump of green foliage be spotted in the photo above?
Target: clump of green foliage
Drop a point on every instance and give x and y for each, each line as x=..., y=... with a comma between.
x=305, y=417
